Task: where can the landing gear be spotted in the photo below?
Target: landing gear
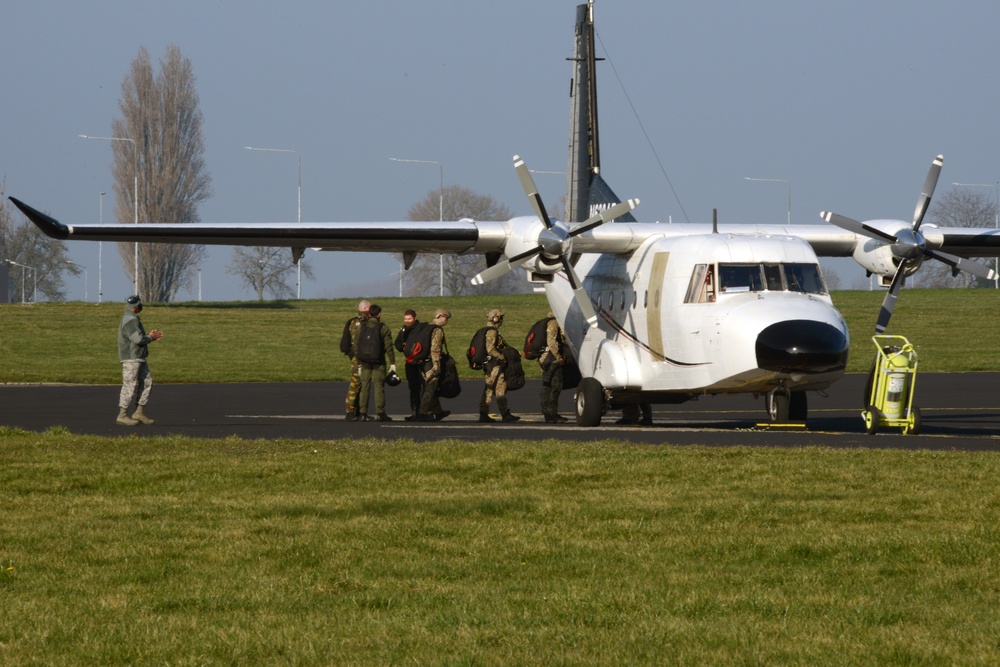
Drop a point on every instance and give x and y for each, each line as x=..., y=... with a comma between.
x=589, y=402
x=784, y=406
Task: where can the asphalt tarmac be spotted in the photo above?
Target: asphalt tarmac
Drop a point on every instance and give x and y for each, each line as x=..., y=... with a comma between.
x=960, y=411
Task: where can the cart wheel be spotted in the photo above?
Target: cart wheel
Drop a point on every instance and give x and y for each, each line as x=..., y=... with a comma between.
x=913, y=426
x=872, y=417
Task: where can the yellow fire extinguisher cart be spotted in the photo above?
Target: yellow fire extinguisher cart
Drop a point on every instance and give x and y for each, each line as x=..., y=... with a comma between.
x=891, y=385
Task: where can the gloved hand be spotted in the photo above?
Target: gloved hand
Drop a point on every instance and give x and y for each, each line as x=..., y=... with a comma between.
x=392, y=368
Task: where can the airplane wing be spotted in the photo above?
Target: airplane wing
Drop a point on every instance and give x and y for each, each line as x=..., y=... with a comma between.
x=479, y=237
x=459, y=236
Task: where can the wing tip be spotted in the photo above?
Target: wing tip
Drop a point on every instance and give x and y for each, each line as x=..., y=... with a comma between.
x=47, y=224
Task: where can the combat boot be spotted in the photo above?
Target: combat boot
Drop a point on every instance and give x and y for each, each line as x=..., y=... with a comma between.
x=140, y=416
x=484, y=418
x=510, y=417
x=124, y=419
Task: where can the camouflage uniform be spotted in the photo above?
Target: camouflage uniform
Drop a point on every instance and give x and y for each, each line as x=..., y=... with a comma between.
x=552, y=361
x=495, y=379
x=430, y=404
x=354, y=388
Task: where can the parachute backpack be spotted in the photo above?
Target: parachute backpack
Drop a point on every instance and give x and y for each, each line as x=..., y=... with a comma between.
x=417, y=348
x=535, y=343
x=371, y=346
x=476, y=354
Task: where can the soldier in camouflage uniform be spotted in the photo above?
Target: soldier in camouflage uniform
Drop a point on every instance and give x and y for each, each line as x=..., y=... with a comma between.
x=496, y=380
x=430, y=404
x=552, y=362
x=133, y=348
x=353, y=326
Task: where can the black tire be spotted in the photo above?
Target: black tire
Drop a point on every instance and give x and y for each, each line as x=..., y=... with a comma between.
x=777, y=404
x=917, y=421
x=872, y=417
x=798, y=407
x=589, y=402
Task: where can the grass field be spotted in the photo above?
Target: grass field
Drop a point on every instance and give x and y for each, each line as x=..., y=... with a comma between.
x=184, y=552
x=298, y=340
x=178, y=551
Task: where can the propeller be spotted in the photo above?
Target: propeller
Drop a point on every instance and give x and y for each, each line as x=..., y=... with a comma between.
x=554, y=241
x=909, y=245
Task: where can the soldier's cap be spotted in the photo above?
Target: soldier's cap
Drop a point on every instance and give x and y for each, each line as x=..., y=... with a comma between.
x=133, y=300
x=442, y=312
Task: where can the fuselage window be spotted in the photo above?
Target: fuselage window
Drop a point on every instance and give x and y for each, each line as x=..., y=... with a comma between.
x=622, y=300
x=645, y=299
x=635, y=299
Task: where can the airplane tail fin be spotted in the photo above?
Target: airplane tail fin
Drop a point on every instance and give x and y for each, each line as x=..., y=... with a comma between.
x=587, y=193
x=603, y=197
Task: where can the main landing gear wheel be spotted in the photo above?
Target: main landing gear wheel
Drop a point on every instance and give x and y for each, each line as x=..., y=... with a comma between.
x=589, y=402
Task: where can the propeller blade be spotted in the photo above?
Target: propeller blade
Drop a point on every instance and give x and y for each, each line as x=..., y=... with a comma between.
x=504, y=266
x=580, y=294
x=975, y=268
x=606, y=215
x=528, y=183
x=889, y=303
x=852, y=225
x=924, y=200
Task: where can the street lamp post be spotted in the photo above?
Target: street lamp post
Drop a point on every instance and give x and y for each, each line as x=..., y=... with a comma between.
x=996, y=220
x=100, y=253
x=34, y=272
x=440, y=218
x=135, y=192
x=85, y=288
x=778, y=180
x=298, y=265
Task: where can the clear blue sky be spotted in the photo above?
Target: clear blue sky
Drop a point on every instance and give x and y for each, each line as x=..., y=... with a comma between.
x=848, y=101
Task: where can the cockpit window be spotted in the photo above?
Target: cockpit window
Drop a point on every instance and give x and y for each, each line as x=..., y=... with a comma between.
x=740, y=278
x=736, y=278
x=804, y=278
x=701, y=289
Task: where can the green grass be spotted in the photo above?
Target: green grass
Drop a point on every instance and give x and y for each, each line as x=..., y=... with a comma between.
x=298, y=340
x=181, y=552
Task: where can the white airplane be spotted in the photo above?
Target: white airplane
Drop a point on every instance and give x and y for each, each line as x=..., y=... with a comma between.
x=653, y=313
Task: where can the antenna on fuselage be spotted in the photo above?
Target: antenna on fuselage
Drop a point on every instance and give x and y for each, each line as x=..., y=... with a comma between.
x=715, y=221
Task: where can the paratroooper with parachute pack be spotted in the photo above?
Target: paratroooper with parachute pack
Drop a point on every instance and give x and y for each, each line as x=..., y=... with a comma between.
x=493, y=367
x=552, y=360
x=373, y=343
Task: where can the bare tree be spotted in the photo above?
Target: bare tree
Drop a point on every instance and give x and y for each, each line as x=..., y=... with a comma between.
x=162, y=123
x=27, y=246
x=267, y=270
x=959, y=207
x=424, y=275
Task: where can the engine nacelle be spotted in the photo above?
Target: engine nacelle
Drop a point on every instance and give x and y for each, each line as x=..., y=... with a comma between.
x=528, y=233
x=877, y=256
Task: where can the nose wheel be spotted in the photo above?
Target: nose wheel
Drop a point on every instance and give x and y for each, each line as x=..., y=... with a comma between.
x=786, y=406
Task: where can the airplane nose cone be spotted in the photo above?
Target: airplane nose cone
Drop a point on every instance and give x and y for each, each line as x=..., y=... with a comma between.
x=803, y=346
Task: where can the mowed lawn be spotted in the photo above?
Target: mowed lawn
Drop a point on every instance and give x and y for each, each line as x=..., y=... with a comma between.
x=177, y=551
x=185, y=552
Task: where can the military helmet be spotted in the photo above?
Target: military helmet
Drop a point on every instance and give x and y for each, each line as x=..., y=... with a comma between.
x=494, y=316
x=392, y=379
